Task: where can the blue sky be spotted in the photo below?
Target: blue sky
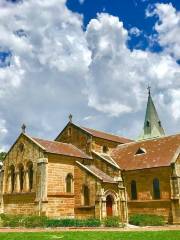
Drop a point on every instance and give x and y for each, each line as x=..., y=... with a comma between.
x=130, y=12
x=93, y=59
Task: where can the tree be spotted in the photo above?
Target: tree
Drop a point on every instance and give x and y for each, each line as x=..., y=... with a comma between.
x=2, y=156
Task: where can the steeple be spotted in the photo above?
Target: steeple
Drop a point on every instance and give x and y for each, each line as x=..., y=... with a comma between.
x=152, y=124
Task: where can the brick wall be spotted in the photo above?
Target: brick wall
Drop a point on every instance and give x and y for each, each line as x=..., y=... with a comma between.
x=145, y=202
x=19, y=203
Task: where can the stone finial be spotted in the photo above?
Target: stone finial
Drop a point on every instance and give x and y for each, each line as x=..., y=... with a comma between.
x=149, y=89
x=70, y=117
x=23, y=128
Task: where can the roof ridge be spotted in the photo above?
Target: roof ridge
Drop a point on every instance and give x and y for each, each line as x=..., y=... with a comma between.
x=52, y=141
x=155, y=138
x=112, y=134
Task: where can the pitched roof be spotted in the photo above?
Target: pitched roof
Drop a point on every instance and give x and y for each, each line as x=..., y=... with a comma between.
x=97, y=172
x=106, y=157
x=107, y=136
x=98, y=134
x=152, y=124
x=157, y=152
x=61, y=148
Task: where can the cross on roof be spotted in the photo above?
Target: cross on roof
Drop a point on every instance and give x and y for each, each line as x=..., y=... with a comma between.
x=149, y=89
x=70, y=117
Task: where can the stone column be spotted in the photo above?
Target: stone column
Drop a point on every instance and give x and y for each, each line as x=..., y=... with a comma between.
x=175, y=195
x=41, y=191
x=26, y=182
x=17, y=182
x=123, y=208
x=98, y=202
x=104, y=214
x=9, y=187
x=115, y=207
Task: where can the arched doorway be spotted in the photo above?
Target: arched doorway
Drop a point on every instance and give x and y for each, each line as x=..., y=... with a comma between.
x=109, y=206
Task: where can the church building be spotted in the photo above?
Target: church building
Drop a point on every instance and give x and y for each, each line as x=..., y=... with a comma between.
x=87, y=173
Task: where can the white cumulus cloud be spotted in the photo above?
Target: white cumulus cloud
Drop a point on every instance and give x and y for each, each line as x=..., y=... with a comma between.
x=56, y=68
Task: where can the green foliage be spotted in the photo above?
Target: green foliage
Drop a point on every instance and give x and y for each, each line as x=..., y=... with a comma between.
x=12, y=220
x=111, y=222
x=35, y=221
x=92, y=222
x=2, y=156
x=23, y=221
x=42, y=221
x=146, y=220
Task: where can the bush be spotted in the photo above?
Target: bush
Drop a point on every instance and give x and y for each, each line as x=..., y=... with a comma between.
x=42, y=221
x=12, y=220
x=111, y=222
x=92, y=222
x=23, y=221
x=146, y=220
x=35, y=221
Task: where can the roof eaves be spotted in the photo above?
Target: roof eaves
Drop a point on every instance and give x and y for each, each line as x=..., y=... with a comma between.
x=34, y=141
x=86, y=156
x=113, y=164
x=87, y=169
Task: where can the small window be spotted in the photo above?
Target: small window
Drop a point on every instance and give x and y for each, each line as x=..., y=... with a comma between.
x=156, y=188
x=69, y=180
x=147, y=124
x=140, y=151
x=133, y=190
x=105, y=149
x=21, y=177
x=69, y=131
x=21, y=147
x=86, y=195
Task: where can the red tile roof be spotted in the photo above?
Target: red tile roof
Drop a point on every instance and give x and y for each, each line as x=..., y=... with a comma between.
x=61, y=148
x=107, y=136
x=158, y=152
x=97, y=173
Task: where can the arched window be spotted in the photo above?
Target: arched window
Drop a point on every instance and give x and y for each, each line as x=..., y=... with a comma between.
x=69, y=180
x=133, y=190
x=156, y=188
x=30, y=175
x=86, y=195
x=21, y=177
x=12, y=173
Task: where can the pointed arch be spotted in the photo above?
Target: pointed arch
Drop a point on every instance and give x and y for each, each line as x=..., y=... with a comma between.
x=69, y=183
x=156, y=189
x=133, y=190
x=86, y=195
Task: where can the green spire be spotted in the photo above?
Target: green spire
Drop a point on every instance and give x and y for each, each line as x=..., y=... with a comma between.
x=152, y=124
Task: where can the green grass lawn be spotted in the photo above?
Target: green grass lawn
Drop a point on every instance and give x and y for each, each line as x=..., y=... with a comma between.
x=160, y=235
